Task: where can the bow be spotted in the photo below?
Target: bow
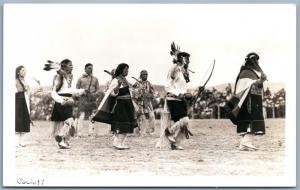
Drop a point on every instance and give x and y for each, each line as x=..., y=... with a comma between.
x=213, y=67
x=201, y=88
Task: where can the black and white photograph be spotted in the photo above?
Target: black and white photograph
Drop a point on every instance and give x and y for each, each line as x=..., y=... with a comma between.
x=149, y=95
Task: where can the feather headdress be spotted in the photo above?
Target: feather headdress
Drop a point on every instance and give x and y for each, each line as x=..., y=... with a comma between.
x=174, y=49
x=52, y=65
x=176, y=53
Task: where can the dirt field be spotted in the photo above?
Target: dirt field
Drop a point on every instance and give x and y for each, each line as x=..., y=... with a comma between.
x=211, y=151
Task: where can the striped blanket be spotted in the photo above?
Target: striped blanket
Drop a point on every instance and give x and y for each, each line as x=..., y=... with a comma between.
x=243, y=86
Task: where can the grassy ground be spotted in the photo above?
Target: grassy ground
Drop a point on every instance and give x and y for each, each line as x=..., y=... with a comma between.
x=211, y=151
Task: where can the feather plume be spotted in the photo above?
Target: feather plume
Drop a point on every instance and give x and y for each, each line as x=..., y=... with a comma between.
x=51, y=65
x=175, y=49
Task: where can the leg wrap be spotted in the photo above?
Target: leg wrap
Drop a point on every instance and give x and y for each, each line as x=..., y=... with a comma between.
x=80, y=123
x=67, y=129
x=182, y=122
x=151, y=122
x=186, y=131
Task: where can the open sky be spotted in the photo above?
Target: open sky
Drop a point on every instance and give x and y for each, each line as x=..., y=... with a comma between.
x=140, y=35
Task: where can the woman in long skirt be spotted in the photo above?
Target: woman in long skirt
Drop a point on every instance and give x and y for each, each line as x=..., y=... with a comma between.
x=22, y=109
x=117, y=108
x=249, y=90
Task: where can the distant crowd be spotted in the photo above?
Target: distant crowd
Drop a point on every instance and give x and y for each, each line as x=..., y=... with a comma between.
x=211, y=105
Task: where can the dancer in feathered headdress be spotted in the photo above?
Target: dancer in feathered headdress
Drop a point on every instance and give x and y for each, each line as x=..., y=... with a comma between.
x=175, y=105
x=62, y=113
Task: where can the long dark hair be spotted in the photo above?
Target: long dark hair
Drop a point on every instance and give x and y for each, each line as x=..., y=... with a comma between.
x=18, y=69
x=120, y=69
x=64, y=63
